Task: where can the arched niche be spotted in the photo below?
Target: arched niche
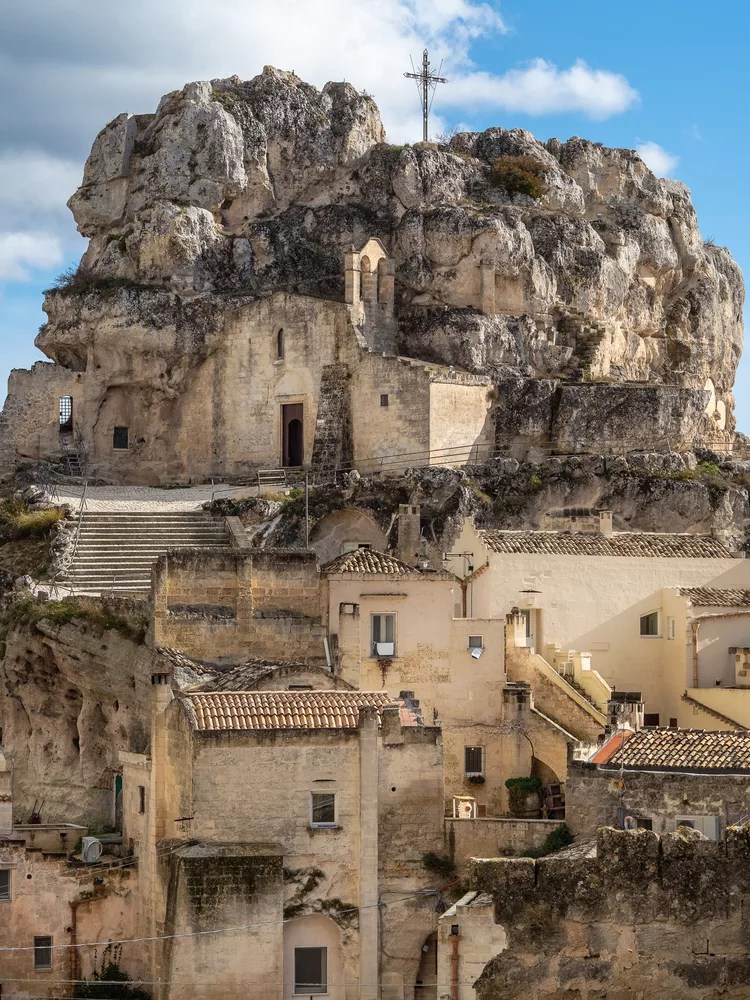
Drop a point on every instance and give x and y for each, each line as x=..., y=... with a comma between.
x=349, y=527
x=310, y=934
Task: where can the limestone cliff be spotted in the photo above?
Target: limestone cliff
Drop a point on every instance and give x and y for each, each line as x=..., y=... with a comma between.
x=235, y=189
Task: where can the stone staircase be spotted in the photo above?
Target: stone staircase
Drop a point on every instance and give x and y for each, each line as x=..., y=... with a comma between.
x=586, y=336
x=116, y=549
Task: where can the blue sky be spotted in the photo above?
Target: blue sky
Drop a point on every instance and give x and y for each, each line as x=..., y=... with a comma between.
x=669, y=73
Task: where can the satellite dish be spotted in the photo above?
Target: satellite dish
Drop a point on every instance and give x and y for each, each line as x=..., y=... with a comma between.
x=476, y=652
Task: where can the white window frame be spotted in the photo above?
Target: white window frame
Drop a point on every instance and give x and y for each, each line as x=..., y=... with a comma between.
x=327, y=825
x=374, y=642
x=476, y=774
x=650, y=635
x=305, y=989
x=6, y=897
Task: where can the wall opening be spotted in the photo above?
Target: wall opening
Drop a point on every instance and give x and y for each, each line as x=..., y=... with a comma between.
x=280, y=346
x=292, y=435
x=66, y=414
x=120, y=436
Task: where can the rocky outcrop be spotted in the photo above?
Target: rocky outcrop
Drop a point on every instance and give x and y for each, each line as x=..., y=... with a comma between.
x=237, y=189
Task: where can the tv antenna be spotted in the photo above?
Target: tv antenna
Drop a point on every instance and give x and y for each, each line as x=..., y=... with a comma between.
x=426, y=86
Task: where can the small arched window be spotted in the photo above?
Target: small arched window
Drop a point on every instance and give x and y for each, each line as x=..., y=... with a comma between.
x=280, y=345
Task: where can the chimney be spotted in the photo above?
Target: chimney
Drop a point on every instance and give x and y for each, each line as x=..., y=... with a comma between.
x=409, y=533
x=605, y=522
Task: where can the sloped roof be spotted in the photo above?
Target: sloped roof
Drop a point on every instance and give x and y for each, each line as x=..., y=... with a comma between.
x=308, y=710
x=712, y=597
x=683, y=750
x=369, y=561
x=247, y=676
x=592, y=543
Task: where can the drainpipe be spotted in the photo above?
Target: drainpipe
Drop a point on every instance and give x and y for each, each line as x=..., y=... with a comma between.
x=455, y=938
x=694, y=626
x=75, y=969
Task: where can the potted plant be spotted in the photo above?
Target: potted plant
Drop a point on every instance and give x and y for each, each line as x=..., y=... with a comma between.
x=524, y=797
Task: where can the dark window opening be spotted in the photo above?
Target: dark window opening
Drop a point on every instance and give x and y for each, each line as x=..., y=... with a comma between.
x=4, y=884
x=310, y=970
x=299, y=687
x=323, y=809
x=280, y=345
x=651, y=719
x=672, y=723
x=120, y=438
x=473, y=761
x=384, y=399
x=43, y=952
x=66, y=414
x=650, y=623
x=643, y=824
x=141, y=799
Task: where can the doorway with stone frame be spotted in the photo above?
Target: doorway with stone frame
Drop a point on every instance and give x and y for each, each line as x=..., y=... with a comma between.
x=292, y=435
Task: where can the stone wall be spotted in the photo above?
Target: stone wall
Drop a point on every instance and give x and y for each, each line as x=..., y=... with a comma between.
x=29, y=423
x=491, y=837
x=595, y=797
x=647, y=916
x=229, y=606
x=50, y=897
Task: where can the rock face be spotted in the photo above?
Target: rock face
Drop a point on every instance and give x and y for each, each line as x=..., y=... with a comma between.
x=236, y=190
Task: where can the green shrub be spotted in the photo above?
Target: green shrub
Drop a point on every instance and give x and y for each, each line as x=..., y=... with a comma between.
x=535, y=482
x=526, y=785
x=109, y=981
x=554, y=841
x=519, y=175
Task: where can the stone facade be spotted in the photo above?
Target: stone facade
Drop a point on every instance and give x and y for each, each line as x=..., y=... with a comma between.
x=643, y=916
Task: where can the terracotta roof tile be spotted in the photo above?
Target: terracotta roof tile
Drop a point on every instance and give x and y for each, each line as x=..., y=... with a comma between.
x=369, y=561
x=711, y=597
x=684, y=750
x=258, y=710
x=592, y=543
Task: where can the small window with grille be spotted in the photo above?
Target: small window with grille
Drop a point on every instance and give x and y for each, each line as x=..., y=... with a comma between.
x=66, y=414
x=42, y=953
x=473, y=761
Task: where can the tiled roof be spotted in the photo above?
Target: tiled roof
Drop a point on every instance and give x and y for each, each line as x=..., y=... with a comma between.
x=261, y=710
x=684, y=750
x=593, y=543
x=248, y=675
x=711, y=597
x=369, y=561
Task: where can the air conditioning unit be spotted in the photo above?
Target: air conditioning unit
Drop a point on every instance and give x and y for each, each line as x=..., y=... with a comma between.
x=385, y=648
x=91, y=850
x=464, y=807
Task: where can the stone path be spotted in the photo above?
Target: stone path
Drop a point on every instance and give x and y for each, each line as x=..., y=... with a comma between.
x=145, y=498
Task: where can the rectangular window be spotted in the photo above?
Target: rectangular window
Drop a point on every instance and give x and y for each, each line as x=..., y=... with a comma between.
x=4, y=884
x=323, y=809
x=42, y=953
x=650, y=623
x=476, y=642
x=120, y=438
x=310, y=970
x=383, y=635
x=141, y=799
x=66, y=414
x=384, y=399
x=473, y=761
x=651, y=719
x=671, y=628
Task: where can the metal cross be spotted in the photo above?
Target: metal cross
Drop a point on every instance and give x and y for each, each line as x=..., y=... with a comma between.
x=426, y=86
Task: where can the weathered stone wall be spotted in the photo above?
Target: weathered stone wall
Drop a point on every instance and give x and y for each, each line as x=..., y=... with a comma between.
x=594, y=797
x=49, y=897
x=645, y=917
x=227, y=606
x=491, y=837
x=30, y=420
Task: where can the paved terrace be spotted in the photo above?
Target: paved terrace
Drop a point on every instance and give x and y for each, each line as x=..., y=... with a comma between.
x=100, y=499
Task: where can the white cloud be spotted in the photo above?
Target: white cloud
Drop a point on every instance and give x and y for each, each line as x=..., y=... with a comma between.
x=657, y=158
x=36, y=180
x=542, y=88
x=21, y=253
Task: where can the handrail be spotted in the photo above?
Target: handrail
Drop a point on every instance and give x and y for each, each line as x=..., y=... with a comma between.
x=68, y=559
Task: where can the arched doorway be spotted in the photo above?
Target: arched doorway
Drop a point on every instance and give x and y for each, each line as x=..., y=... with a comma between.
x=427, y=974
x=293, y=436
